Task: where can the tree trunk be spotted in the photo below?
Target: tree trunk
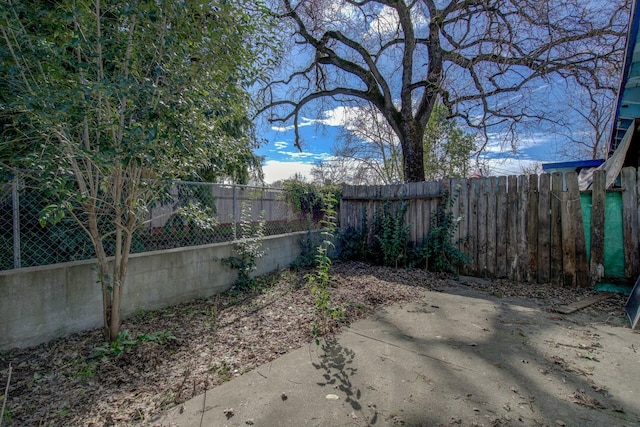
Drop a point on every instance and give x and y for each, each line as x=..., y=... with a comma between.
x=412, y=152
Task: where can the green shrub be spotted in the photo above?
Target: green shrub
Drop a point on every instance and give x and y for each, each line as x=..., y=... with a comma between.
x=439, y=250
x=392, y=236
x=248, y=248
x=308, y=199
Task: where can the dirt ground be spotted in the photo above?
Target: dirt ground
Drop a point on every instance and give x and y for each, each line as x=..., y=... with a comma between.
x=189, y=348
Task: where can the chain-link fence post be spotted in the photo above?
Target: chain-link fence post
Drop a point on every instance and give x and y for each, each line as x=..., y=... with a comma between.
x=234, y=208
x=15, y=201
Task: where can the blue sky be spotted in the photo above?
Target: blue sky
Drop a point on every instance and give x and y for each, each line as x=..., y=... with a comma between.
x=537, y=145
x=283, y=159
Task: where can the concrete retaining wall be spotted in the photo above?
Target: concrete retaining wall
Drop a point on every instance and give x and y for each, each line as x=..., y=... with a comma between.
x=38, y=304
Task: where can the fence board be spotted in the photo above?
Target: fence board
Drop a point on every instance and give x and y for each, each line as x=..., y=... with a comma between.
x=474, y=190
x=569, y=200
x=463, y=225
x=523, y=260
x=491, y=226
x=544, y=228
x=412, y=209
x=482, y=227
x=630, y=221
x=425, y=214
x=532, y=229
x=451, y=187
x=436, y=198
x=582, y=267
x=501, y=228
x=556, y=229
x=512, y=225
x=598, y=201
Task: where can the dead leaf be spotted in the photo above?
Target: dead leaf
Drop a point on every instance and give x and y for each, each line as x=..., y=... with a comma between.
x=583, y=399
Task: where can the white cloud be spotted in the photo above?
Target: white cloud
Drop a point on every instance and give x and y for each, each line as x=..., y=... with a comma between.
x=282, y=128
x=280, y=145
x=296, y=154
x=509, y=166
x=275, y=170
x=304, y=121
x=339, y=116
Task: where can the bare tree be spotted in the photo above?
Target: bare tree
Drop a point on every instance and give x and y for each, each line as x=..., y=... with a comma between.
x=481, y=57
x=369, y=144
x=343, y=171
x=590, y=113
x=370, y=148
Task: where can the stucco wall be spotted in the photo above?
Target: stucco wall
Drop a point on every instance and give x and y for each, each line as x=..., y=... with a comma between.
x=41, y=303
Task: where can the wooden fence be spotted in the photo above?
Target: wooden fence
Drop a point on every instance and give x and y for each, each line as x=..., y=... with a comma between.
x=525, y=228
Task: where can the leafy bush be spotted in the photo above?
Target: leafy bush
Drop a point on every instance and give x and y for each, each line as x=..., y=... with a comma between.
x=439, y=250
x=387, y=244
x=393, y=236
x=309, y=199
x=352, y=244
x=248, y=248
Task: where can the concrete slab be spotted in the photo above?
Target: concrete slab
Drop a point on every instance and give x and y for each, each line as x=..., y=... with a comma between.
x=446, y=360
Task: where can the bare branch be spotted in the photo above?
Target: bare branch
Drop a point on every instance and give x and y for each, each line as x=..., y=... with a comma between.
x=477, y=56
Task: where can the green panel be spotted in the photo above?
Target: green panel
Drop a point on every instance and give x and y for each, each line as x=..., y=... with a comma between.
x=585, y=203
x=613, y=239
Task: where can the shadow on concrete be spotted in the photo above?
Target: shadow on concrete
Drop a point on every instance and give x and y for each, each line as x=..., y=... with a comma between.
x=337, y=363
x=511, y=368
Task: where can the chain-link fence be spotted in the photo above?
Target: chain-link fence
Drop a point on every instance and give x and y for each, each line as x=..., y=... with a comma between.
x=25, y=243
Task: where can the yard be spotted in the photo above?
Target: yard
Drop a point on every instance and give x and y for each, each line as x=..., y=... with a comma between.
x=184, y=350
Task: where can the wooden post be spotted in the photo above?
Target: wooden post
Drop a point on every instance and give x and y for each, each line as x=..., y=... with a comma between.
x=512, y=227
x=474, y=191
x=501, y=228
x=435, y=190
x=556, y=229
x=582, y=266
x=482, y=227
x=463, y=225
x=491, y=226
x=630, y=222
x=451, y=186
x=544, y=228
x=412, y=211
x=570, y=199
x=598, y=202
x=532, y=229
x=523, y=259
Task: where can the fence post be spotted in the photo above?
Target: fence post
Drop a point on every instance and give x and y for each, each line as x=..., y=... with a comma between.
x=15, y=199
x=630, y=222
x=598, y=204
x=234, y=208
